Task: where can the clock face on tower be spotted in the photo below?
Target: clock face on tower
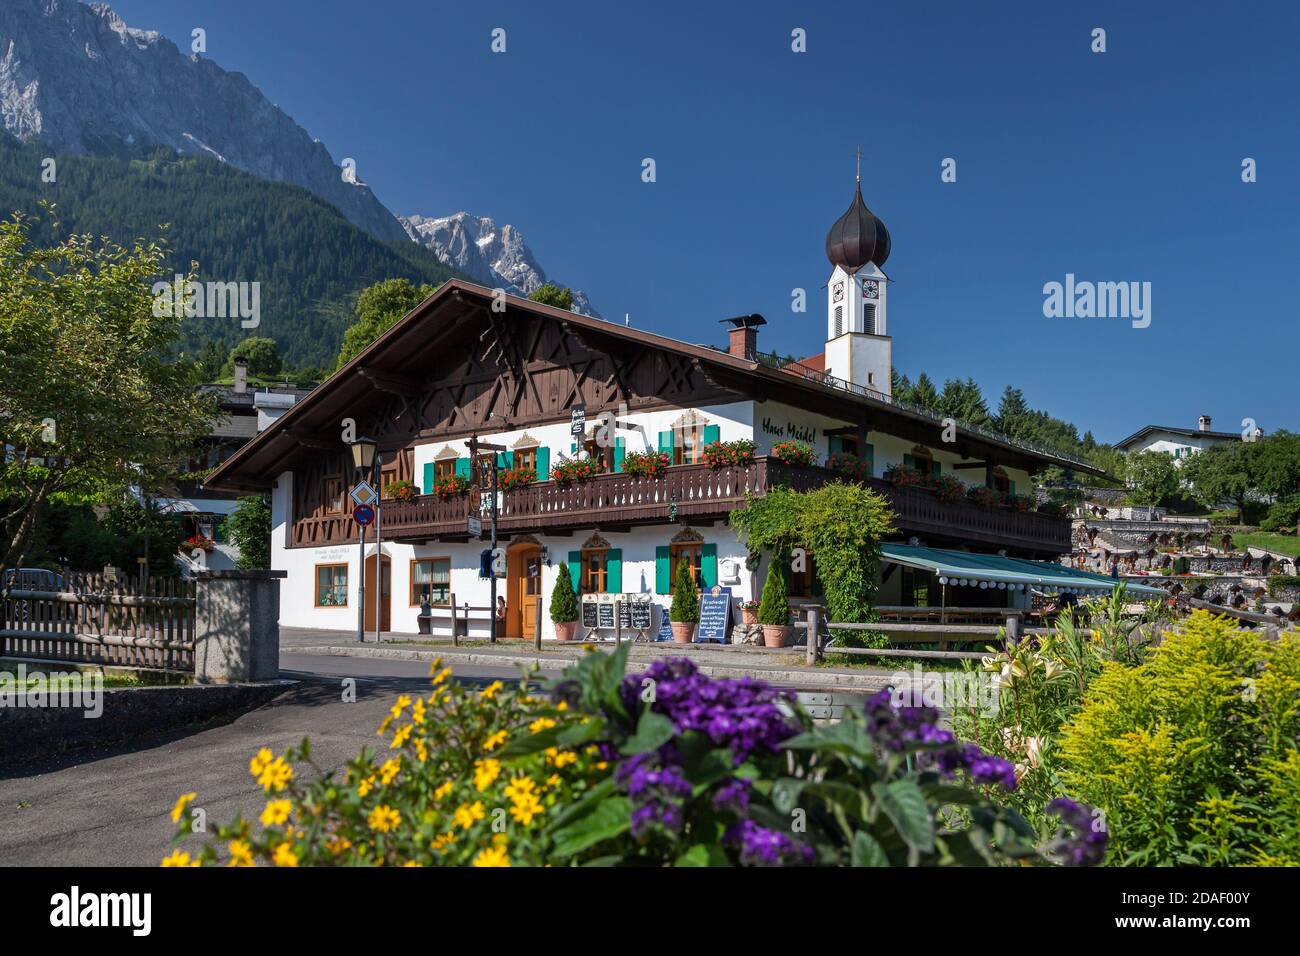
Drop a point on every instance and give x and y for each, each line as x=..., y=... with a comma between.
x=839, y=291
x=871, y=288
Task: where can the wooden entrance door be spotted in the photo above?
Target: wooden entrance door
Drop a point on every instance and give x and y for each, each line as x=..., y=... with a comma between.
x=381, y=598
x=523, y=585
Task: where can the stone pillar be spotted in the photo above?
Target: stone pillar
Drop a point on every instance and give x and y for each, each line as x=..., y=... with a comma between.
x=237, y=626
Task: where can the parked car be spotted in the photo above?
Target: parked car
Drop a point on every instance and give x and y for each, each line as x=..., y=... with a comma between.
x=30, y=579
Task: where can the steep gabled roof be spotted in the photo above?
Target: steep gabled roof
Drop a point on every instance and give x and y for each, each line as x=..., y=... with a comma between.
x=352, y=388
x=1188, y=432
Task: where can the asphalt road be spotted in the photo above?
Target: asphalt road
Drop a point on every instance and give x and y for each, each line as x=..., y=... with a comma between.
x=111, y=807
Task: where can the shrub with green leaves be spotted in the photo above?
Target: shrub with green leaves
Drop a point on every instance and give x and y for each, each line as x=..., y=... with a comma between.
x=685, y=608
x=564, y=603
x=1192, y=754
x=774, y=603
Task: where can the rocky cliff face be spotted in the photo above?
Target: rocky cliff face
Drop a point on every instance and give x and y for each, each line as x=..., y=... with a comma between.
x=490, y=255
x=77, y=78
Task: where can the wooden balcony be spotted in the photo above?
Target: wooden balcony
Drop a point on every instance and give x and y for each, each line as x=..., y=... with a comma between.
x=692, y=493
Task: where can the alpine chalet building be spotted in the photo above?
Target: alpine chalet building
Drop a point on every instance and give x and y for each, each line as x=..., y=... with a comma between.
x=550, y=386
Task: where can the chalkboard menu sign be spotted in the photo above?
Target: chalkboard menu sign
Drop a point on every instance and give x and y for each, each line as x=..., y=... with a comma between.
x=588, y=614
x=715, y=615
x=665, y=626
x=639, y=613
x=605, y=615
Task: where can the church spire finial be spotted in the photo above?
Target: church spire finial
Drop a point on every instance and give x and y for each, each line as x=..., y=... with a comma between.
x=859, y=165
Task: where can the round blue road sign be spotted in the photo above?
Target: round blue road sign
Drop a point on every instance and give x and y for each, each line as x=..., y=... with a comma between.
x=363, y=514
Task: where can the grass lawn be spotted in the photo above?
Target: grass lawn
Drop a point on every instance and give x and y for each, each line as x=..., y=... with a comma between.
x=1281, y=543
x=63, y=680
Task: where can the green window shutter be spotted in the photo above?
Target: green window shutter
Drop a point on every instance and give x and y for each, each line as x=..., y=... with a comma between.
x=662, y=584
x=1011, y=487
x=505, y=459
x=709, y=565
x=575, y=570
x=936, y=468
x=620, y=449
x=614, y=571
x=426, y=486
x=462, y=467
x=573, y=449
x=712, y=433
x=666, y=444
x=836, y=444
x=543, y=464
x=909, y=461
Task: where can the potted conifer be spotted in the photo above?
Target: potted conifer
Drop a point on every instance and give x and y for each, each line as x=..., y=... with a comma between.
x=774, y=607
x=685, y=611
x=564, y=606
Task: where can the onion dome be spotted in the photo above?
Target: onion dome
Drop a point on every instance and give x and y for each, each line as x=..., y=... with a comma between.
x=858, y=237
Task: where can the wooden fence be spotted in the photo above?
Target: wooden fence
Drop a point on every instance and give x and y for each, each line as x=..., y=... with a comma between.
x=90, y=619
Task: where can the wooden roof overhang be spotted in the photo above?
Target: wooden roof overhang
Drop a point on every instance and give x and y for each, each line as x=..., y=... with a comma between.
x=393, y=364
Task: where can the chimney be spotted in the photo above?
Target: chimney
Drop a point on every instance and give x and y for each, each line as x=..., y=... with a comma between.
x=742, y=337
x=1203, y=423
x=241, y=375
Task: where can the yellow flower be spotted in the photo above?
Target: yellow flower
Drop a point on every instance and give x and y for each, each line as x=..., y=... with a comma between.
x=553, y=780
x=494, y=741
x=493, y=856
x=485, y=772
x=444, y=840
x=366, y=785
x=490, y=691
x=540, y=724
x=241, y=854
x=284, y=855
x=562, y=706
x=179, y=810
x=179, y=858
x=412, y=863
x=520, y=786
x=399, y=738
x=563, y=759
x=421, y=751
x=276, y=812
x=525, y=808
x=418, y=711
x=259, y=762
x=441, y=675
x=389, y=771
x=275, y=775
x=443, y=790
x=338, y=844
x=384, y=818
x=467, y=814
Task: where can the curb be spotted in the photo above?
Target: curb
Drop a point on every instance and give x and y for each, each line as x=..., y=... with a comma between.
x=803, y=679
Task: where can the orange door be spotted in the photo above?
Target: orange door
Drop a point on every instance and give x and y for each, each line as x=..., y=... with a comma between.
x=381, y=599
x=530, y=586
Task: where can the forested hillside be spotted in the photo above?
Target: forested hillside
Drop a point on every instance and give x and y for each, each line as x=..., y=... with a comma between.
x=309, y=260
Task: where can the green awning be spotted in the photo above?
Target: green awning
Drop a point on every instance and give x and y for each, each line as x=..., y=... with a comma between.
x=993, y=570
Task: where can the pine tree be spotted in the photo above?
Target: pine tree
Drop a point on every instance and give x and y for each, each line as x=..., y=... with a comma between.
x=564, y=603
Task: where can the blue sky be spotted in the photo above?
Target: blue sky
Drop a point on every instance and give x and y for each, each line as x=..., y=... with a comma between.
x=1120, y=166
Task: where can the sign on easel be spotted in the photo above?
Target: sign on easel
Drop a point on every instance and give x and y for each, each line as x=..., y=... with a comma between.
x=715, y=615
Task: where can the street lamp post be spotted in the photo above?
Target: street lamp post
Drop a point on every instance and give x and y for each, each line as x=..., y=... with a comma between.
x=363, y=460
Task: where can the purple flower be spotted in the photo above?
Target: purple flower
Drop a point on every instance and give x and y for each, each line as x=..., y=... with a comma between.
x=732, y=795
x=903, y=730
x=759, y=846
x=1080, y=839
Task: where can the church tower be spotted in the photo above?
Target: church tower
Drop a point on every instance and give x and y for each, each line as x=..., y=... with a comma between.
x=858, y=347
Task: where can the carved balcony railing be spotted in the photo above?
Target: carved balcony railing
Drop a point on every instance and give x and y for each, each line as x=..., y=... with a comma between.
x=683, y=493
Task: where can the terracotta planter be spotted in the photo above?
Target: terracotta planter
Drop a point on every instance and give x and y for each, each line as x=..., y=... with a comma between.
x=564, y=630
x=748, y=618
x=683, y=631
x=776, y=635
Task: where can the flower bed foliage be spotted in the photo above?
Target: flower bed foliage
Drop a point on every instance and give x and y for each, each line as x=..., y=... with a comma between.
x=564, y=602
x=1192, y=753
x=859, y=469
x=720, y=454
x=980, y=495
x=647, y=464
x=685, y=608
x=793, y=452
x=569, y=470
x=509, y=479
x=402, y=490
x=665, y=767
x=451, y=485
x=197, y=542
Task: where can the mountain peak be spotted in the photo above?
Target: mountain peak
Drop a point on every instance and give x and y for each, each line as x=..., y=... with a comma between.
x=491, y=256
